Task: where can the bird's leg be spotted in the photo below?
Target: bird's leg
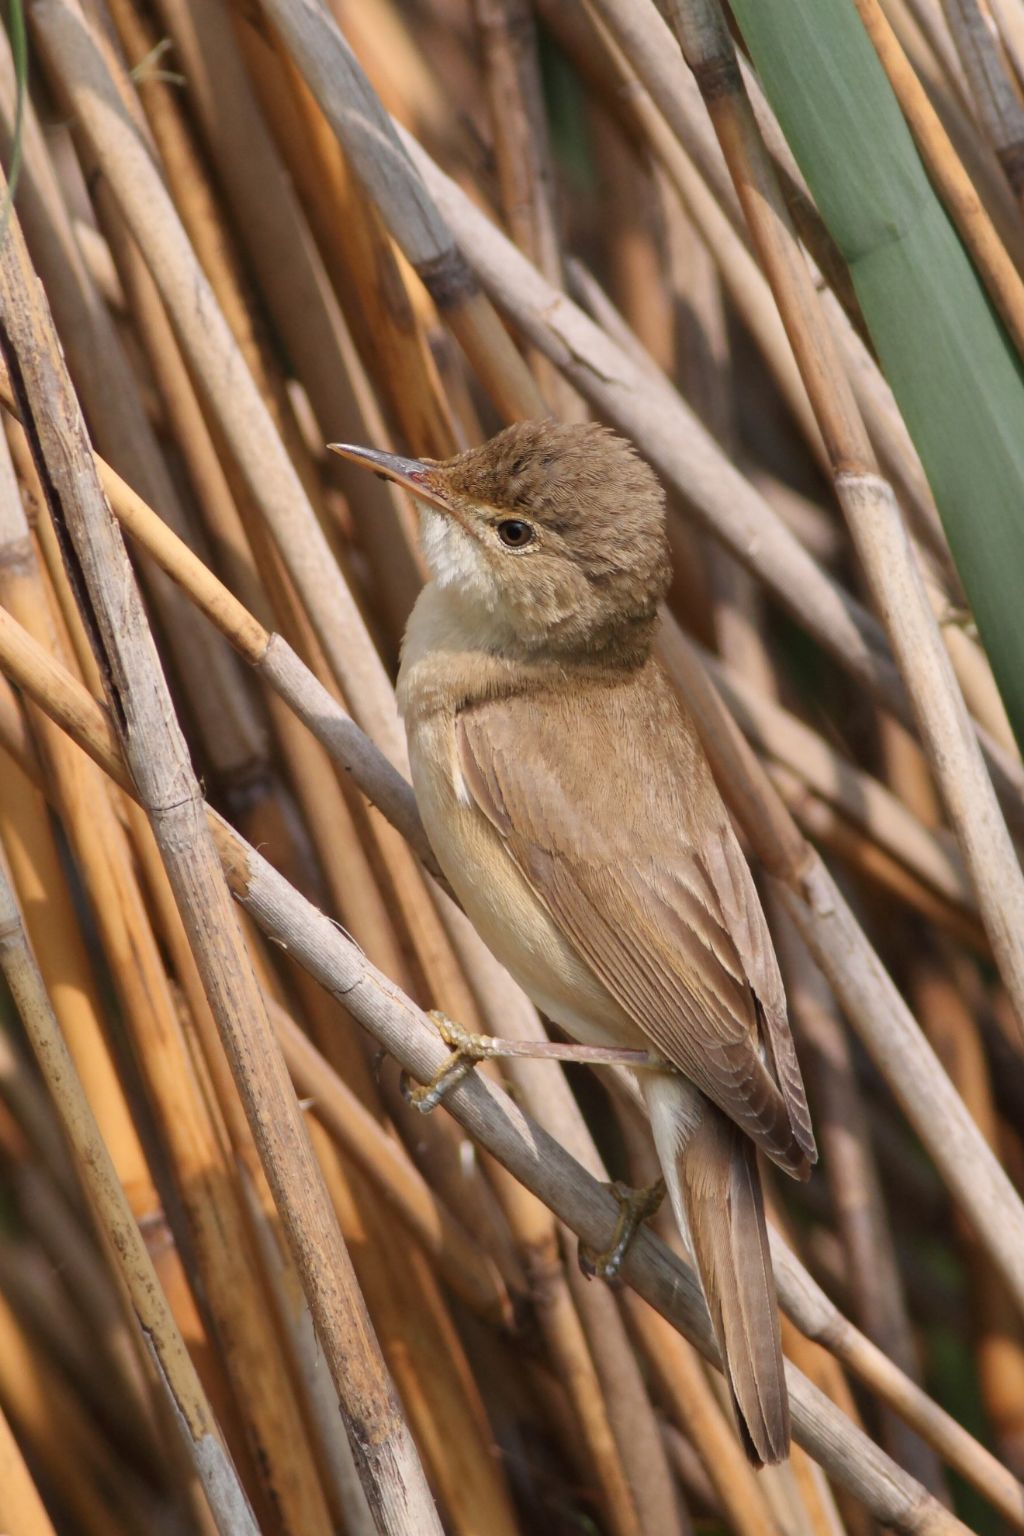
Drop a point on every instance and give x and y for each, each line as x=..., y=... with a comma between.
x=467, y=1049
x=635, y=1207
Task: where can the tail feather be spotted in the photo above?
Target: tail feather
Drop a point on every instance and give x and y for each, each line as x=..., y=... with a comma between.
x=711, y=1173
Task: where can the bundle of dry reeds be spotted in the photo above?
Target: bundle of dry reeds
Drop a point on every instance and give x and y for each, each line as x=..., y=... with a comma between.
x=244, y=1287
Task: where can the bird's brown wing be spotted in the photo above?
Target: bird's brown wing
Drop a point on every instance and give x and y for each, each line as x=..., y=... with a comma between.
x=624, y=838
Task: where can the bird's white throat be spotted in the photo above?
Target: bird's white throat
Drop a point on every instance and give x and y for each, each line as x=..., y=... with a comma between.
x=456, y=560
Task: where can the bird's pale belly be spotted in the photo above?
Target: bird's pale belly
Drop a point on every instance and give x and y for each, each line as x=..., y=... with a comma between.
x=516, y=927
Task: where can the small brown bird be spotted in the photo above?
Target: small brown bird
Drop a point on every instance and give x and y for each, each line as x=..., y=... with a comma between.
x=570, y=805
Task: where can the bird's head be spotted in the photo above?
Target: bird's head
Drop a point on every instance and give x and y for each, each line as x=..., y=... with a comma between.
x=551, y=536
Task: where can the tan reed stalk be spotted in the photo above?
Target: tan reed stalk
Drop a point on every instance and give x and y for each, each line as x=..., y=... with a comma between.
x=28, y=1106
x=343, y=1493
x=425, y=1355
x=463, y=1265
x=997, y=271
x=270, y=478
x=659, y=422
x=868, y=502
x=389, y=343
x=198, y=205
x=108, y=387
x=996, y=95
x=925, y=38
x=1010, y=26
x=21, y=1508
x=750, y=292
x=865, y=800
x=875, y=1282
x=940, y=987
x=224, y=1261
x=418, y=1341
x=566, y=1345
x=388, y=1463
x=367, y=275
x=684, y=1389
x=36, y=866
x=101, y=1492
x=823, y=824
x=526, y=176
x=535, y=1158
x=191, y=1411
x=42, y=1294
x=260, y=195
x=348, y=102
x=546, y=1095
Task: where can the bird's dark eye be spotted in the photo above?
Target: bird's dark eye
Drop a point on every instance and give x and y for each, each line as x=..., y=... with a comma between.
x=515, y=534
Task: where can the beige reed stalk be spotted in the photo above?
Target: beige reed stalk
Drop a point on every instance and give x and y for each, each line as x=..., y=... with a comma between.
x=389, y=1466
x=996, y=94
x=222, y=1257
x=69, y=47
x=996, y=269
x=526, y=177
x=190, y=1410
x=347, y=100
x=871, y=509
x=534, y=1157
x=21, y=1508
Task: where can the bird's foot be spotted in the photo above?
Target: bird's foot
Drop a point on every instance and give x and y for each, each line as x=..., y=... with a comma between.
x=635, y=1207
x=467, y=1049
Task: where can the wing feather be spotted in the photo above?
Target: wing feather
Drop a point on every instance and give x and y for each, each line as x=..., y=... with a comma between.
x=654, y=894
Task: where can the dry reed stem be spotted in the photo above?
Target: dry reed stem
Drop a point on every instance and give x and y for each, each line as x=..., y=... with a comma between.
x=684, y=1388
x=109, y=389
x=223, y=1261
x=275, y=661
x=526, y=177
x=633, y=1421
x=64, y=1441
x=1010, y=24
x=368, y=277
x=996, y=95
x=861, y=797
x=868, y=502
x=942, y=994
x=878, y=1299
x=997, y=271
x=350, y=105
x=264, y=205
x=270, y=478
x=463, y=1265
x=21, y=1508
x=388, y=1463
x=538, y=1161
x=191, y=1411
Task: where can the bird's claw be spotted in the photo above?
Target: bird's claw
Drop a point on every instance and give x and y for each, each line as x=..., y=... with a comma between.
x=635, y=1207
x=466, y=1050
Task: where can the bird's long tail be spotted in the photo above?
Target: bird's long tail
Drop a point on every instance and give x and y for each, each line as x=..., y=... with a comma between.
x=711, y=1174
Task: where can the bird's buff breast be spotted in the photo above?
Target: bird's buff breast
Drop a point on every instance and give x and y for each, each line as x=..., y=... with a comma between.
x=499, y=902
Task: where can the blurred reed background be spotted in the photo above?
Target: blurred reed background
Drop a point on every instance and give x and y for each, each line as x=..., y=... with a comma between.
x=243, y=1286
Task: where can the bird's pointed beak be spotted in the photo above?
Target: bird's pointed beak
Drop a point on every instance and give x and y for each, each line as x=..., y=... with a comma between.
x=415, y=475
